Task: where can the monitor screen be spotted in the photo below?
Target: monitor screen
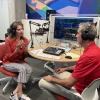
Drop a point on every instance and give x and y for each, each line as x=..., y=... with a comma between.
x=66, y=27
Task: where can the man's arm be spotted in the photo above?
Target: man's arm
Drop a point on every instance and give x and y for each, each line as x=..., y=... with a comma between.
x=70, y=68
x=60, y=70
x=68, y=83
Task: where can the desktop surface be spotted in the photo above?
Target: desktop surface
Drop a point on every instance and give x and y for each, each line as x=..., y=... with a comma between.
x=77, y=51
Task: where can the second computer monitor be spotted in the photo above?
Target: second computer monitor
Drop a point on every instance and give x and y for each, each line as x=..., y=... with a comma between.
x=66, y=27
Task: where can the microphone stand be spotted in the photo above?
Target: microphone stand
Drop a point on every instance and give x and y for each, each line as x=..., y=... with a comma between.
x=31, y=35
x=47, y=30
x=47, y=37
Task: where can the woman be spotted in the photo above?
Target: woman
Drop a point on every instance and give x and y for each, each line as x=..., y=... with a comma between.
x=16, y=51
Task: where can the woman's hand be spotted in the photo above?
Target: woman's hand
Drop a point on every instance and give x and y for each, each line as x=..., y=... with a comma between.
x=19, y=46
x=26, y=45
x=60, y=70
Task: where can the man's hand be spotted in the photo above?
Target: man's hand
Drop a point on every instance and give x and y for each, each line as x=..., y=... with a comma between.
x=48, y=78
x=60, y=70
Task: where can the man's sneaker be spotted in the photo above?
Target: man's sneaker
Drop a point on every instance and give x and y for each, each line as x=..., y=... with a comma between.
x=24, y=97
x=14, y=96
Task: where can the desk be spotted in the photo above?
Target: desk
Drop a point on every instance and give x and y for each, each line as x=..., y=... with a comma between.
x=78, y=51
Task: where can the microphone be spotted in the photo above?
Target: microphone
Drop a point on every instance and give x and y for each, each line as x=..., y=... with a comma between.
x=34, y=23
x=47, y=23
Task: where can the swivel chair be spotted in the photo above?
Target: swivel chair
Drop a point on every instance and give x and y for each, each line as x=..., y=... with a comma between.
x=89, y=93
x=10, y=75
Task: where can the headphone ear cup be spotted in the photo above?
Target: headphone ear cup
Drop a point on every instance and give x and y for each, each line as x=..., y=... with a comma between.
x=84, y=36
x=13, y=32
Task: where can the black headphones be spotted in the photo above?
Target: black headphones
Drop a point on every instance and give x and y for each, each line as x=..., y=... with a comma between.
x=85, y=33
x=13, y=29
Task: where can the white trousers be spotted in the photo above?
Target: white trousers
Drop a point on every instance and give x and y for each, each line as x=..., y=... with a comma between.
x=24, y=71
x=49, y=88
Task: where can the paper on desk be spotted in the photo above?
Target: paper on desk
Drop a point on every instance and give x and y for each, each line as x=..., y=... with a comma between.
x=72, y=55
x=37, y=51
x=40, y=53
x=48, y=56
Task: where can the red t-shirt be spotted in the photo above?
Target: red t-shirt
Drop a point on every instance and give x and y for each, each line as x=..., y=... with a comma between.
x=88, y=67
x=10, y=55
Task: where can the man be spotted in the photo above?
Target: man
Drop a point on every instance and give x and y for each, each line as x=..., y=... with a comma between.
x=86, y=70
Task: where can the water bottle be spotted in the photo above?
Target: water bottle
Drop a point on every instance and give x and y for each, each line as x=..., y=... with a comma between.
x=67, y=45
x=41, y=42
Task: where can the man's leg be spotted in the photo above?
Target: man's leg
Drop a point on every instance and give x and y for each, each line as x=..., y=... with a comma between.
x=49, y=88
x=62, y=75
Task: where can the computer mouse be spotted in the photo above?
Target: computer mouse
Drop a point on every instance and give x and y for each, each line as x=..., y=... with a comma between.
x=68, y=57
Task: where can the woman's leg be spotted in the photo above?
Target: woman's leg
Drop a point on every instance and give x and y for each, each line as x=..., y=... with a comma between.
x=24, y=71
x=18, y=90
x=22, y=77
x=28, y=71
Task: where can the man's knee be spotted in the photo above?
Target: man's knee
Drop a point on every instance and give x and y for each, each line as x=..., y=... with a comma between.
x=41, y=83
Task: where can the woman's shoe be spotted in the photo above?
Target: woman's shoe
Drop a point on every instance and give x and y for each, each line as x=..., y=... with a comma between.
x=24, y=97
x=13, y=96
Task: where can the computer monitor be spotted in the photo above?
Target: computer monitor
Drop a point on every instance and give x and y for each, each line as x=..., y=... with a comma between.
x=66, y=27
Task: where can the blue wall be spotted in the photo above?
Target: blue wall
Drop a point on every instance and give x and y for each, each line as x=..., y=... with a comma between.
x=36, y=9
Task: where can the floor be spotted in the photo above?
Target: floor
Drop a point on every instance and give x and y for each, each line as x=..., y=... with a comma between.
x=32, y=90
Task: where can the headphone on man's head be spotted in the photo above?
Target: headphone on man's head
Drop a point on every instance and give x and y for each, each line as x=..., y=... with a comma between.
x=85, y=33
x=88, y=32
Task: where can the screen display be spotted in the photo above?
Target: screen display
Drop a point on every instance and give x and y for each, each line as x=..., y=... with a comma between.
x=66, y=27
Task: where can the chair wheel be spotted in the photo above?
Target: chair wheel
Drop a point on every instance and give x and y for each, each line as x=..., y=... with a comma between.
x=3, y=92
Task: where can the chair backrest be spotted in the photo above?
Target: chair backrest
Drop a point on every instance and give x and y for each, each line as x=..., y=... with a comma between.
x=2, y=53
x=90, y=92
x=2, y=50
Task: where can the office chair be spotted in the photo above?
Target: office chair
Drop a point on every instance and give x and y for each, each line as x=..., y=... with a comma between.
x=11, y=75
x=89, y=93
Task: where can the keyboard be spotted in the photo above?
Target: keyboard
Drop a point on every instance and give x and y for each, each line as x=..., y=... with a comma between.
x=54, y=51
